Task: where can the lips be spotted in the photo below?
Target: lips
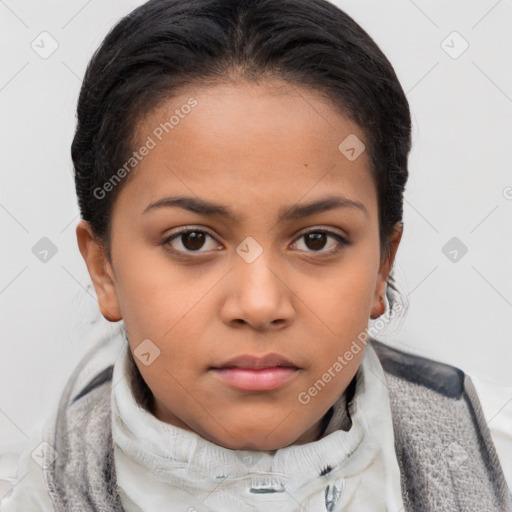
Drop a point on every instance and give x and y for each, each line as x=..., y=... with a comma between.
x=256, y=363
x=253, y=373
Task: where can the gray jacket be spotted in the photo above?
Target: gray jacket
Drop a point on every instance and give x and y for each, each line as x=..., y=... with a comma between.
x=445, y=453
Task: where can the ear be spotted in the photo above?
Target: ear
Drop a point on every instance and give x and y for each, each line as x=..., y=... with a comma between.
x=379, y=303
x=100, y=270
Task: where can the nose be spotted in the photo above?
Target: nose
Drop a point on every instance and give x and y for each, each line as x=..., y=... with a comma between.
x=258, y=295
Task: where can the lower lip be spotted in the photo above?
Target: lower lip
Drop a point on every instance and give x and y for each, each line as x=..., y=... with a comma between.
x=248, y=379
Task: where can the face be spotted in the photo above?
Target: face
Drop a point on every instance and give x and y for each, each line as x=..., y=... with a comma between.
x=245, y=259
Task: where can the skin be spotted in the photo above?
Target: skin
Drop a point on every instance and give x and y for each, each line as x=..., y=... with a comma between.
x=255, y=149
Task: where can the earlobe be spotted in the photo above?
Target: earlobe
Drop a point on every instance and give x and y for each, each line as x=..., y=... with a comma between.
x=378, y=308
x=100, y=271
x=379, y=303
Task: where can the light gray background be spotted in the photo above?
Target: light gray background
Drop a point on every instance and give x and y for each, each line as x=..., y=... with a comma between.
x=460, y=186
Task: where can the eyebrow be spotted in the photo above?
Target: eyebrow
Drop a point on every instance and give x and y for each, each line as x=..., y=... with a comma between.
x=297, y=211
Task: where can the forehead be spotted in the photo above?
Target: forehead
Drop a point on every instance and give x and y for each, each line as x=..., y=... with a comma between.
x=250, y=146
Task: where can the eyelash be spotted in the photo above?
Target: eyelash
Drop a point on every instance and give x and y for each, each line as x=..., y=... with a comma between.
x=342, y=242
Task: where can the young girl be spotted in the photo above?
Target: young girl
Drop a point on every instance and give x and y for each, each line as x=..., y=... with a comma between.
x=240, y=168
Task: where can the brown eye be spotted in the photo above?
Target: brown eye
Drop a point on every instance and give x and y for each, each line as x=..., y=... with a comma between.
x=315, y=241
x=189, y=241
x=193, y=240
x=320, y=239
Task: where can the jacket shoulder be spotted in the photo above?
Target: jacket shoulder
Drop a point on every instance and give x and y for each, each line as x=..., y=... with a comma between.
x=440, y=377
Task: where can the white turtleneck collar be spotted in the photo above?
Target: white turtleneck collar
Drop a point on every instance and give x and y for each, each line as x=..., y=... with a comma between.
x=161, y=467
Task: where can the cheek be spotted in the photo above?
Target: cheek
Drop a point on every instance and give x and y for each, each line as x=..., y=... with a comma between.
x=343, y=297
x=342, y=302
x=163, y=301
x=151, y=293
